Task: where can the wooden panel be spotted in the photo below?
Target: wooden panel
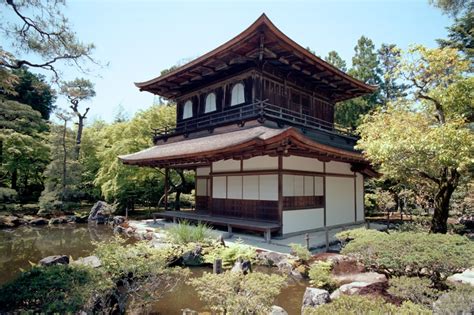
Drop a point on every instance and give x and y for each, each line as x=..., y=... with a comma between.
x=302, y=202
x=249, y=209
x=202, y=203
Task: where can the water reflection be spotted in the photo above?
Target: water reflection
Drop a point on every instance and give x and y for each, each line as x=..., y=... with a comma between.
x=27, y=243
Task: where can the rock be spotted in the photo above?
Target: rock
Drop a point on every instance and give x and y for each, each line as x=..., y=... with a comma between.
x=81, y=217
x=54, y=260
x=349, y=289
x=296, y=274
x=368, y=277
x=7, y=221
x=277, y=310
x=244, y=266
x=39, y=221
x=100, y=212
x=119, y=230
x=58, y=220
x=92, y=261
x=270, y=258
x=193, y=257
x=285, y=266
x=466, y=277
x=118, y=219
x=314, y=297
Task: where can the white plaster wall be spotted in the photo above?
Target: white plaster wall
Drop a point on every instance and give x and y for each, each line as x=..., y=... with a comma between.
x=288, y=185
x=234, y=187
x=302, y=164
x=268, y=187
x=259, y=163
x=318, y=186
x=339, y=200
x=302, y=220
x=219, y=187
x=308, y=186
x=360, y=197
x=251, y=187
x=338, y=168
x=201, y=187
x=226, y=166
x=299, y=185
x=203, y=171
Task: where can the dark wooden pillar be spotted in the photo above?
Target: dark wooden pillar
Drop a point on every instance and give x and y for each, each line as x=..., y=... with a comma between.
x=280, y=192
x=167, y=173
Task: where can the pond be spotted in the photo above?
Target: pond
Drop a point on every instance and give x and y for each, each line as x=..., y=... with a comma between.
x=20, y=246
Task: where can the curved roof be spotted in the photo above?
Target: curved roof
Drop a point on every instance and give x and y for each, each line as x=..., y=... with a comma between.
x=260, y=40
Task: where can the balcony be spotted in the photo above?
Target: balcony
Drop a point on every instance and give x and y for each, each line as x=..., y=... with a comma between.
x=261, y=111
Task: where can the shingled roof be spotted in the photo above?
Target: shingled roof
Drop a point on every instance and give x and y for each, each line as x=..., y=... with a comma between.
x=242, y=143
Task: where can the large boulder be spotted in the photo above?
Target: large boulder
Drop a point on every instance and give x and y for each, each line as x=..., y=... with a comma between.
x=91, y=261
x=349, y=289
x=270, y=258
x=314, y=297
x=7, y=221
x=118, y=219
x=368, y=277
x=285, y=266
x=100, y=212
x=54, y=260
x=466, y=277
x=193, y=257
x=58, y=220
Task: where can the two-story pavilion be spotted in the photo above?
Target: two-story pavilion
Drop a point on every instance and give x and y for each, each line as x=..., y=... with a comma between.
x=255, y=120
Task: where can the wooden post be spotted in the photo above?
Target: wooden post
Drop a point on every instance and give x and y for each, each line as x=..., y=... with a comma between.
x=306, y=238
x=217, y=266
x=166, y=188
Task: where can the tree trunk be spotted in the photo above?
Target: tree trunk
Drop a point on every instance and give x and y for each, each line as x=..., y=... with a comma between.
x=439, y=222
x=14, y=179
x=177, y=205
x=80, y=127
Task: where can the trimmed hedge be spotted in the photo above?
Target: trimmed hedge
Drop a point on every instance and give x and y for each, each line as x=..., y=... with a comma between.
x=409, y=253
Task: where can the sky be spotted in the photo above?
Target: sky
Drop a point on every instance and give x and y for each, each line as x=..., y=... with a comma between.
x=138, y=39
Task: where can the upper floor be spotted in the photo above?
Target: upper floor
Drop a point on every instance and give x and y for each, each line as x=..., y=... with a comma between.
x=261, y=74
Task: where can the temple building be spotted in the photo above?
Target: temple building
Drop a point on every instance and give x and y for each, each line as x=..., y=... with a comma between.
x=255, y=120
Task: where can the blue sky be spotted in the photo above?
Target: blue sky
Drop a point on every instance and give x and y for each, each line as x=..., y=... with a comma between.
x=140, y=38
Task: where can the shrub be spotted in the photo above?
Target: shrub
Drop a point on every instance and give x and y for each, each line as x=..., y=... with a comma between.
x=320, y=275
x=460, y=300
x=413, y=227
x=236, y=293
x=349, y=235
x=230, y=254
x=184, y=232
x=140, y=270
x=300, y=251
x=358, y=305
x=8, y=195
x=439, y=253
x=417, y=290
x=53, y=289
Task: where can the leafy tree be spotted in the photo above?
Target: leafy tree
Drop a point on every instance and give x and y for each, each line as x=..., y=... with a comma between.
x=336, y=60
x=41, y=37
x=23, y=149
x=123, y=183
x=426, y=139
x=77, y=91
x=389, y=59
x=452, y=7
x=63, y=174
x=32, y=89
x=365, y=67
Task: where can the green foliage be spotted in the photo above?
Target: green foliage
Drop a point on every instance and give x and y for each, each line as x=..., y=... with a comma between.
x=300, y=251
x=236, y=293
x=358, y=305
x=417, y=290
x=231, y=253
x=320, y=275
x=184, y=233
x=352, y=234
x=53, y=289
x=336, y=60
x=460, y=300
x=396, y=251
x=33, y=90
x=128, y=184
x=8, y=195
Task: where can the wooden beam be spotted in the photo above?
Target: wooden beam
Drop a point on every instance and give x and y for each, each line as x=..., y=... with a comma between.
x=166, y=187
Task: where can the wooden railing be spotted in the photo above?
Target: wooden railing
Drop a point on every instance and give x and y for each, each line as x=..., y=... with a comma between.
x=261, y=110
